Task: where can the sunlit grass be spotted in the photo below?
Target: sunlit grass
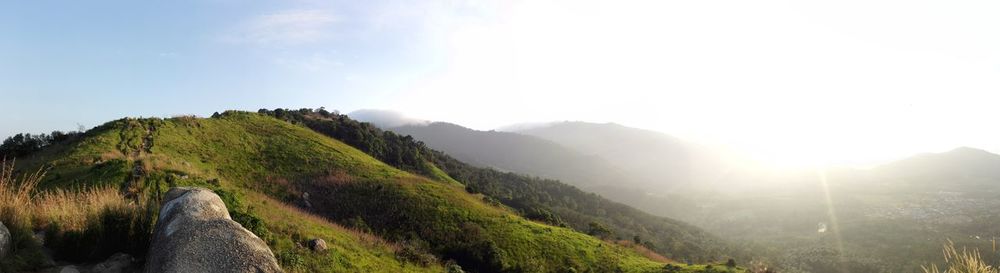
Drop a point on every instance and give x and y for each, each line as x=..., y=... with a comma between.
x=964, y=261
x=80, y=225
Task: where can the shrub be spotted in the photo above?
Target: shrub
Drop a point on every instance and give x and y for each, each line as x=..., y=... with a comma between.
x=291, y=260
x=599, y=230
x=415, y=251
x=670, y=268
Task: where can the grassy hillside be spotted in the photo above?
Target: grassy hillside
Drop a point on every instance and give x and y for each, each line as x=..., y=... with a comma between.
x=233, y=157
x=538, y=199
x=243, y=154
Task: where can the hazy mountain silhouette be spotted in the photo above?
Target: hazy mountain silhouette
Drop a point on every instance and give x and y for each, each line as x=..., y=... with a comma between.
x=385, y=118
x=514, y=152
x=962, y=166
x=653, y=160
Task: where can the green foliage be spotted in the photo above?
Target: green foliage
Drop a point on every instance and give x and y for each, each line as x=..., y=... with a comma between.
x=417, y=251
x=20, y=145
x=598, y=230
x=358, y=223
x=290, y=260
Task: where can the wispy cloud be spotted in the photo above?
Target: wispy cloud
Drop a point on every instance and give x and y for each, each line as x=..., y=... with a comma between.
x=316, y=62
x=291, y=27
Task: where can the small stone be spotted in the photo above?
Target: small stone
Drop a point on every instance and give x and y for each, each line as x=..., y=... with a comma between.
x=5, y=241
x=317, y=245
x=305, y=200
x=115, y=264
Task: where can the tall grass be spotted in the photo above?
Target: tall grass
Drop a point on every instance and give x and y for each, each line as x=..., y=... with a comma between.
x=964, y=261
x=15, y=195
x=79, y=225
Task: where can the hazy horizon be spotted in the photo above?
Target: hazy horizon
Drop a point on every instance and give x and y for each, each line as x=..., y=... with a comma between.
x=850, y=82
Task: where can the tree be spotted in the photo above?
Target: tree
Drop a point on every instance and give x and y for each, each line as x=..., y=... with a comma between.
x=599, y=230
x=637, y=240
x=731, y=263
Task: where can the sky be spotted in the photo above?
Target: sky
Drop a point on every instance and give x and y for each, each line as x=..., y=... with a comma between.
x=788, y=82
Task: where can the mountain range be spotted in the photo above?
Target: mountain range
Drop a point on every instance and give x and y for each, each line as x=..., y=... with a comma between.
x=935, y=196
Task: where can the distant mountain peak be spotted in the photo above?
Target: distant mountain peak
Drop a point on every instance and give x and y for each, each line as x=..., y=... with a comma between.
x=968, y=150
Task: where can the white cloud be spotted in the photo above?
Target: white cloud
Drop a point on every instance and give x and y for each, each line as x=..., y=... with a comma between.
x=290, y=27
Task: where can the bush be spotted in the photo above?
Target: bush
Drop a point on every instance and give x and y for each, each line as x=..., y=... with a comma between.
x=291, y=260
x=415, y=251
x=670, y=268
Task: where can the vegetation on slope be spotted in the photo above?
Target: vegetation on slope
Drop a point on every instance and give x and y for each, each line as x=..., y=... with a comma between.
x=111, y=155
x=538, y=199
x=238, y=154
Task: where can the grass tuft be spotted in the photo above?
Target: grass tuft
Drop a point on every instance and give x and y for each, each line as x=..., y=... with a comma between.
x=964, y=261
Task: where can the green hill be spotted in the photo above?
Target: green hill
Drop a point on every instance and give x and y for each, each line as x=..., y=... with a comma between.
x=539, y=199
x=260, y=164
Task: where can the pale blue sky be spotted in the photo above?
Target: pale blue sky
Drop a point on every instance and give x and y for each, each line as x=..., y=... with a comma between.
x=789, y=81
x=64, y=63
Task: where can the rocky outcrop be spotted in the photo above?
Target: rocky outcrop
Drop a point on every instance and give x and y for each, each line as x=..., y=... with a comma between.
x=195, y=234
x=317, y=245
x=5, y=241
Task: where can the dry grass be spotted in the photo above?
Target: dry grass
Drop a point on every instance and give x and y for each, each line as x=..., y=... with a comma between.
x=75, y=210
x=15, y=195
x=965, y=261
x=86, y=215
x=645, y=252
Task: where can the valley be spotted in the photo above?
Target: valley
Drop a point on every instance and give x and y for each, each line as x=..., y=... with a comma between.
x=892, y=218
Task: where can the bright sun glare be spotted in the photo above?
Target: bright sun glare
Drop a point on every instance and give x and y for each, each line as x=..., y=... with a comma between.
x=788, y=83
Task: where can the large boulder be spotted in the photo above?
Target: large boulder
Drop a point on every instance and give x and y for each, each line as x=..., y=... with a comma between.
x=195, y=234
x=5, y=241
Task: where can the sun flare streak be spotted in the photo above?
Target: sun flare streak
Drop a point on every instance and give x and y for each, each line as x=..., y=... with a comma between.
x=832, y=216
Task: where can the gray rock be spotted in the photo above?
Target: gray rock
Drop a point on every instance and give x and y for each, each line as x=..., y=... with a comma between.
x=195, y=234
x=118, y=263
x=39, y=237
x=305, y=200
x=5, y=241
x=317, y=245
x=69, y=269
